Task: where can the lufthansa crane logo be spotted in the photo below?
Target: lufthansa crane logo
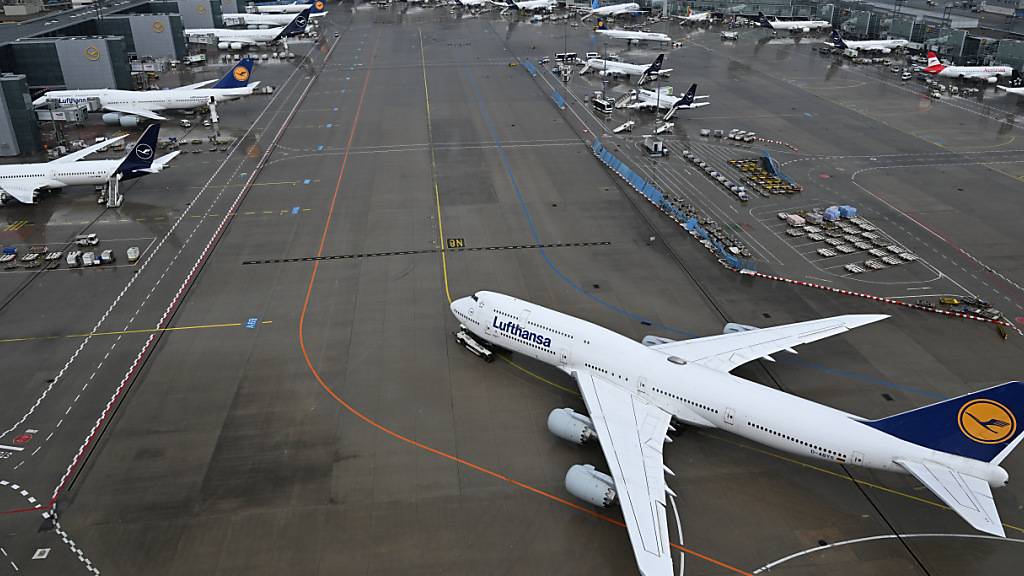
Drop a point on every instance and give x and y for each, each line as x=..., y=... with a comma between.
x=144, y=151
x=92, y=53
x=201, y=9
x=240, y=73
x=319, y=5
x=986, y=421
x=300, y=22
x=158, y=27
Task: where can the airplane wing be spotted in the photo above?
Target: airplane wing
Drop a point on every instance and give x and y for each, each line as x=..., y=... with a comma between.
x=127, y=109
x=23, y=189
x=968, y=496
x=196, y=85
x=76, y=156
x=632, y=432
x=727, y=351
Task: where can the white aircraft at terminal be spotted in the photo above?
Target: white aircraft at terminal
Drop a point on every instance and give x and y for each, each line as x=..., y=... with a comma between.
x=529, y=5
x=663, y=99
x=883, y=46
x=151, y=104
x=631, y=36
x=236, y=39
x=316, y=10
x=695, y=18
x=634, y=391
x=292, y=8
x=616, y=69
x=23, y=182
x=990, y=74
x=612, y=10
x=792, y=25
x=473, y=3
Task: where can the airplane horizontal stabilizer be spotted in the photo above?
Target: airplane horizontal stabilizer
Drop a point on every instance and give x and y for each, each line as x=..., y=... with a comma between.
x=968, y=496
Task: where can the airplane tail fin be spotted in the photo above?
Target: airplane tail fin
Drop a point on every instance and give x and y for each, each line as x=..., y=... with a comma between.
x=652, y=70
x=601, y=24
x=763, y=20
x=689, y=96
x=140, y=158
x=317, y=7
x=296, y=26
x=981, y=425
x=837, y=40
x=595, y=5
x=238, y=76
x=933, y=63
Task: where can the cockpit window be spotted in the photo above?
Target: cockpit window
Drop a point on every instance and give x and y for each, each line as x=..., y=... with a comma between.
x=475, y=299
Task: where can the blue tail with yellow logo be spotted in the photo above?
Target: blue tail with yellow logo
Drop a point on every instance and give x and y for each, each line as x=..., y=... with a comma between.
x=983, y=425
x=238, y=76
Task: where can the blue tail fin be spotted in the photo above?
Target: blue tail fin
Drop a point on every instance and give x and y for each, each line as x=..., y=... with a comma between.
x=689, y=96
x=238, y=76
x=595, y=5
x=141, y=156
x=317, y=7
x=296, y=26
x=601, y=25
x=837, y=40
x=763, y=20
x=981, y=425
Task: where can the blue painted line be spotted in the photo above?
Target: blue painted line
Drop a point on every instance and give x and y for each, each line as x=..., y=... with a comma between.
x=488, y=121
x=335, y=108
x=808, y=114
x=243, y=174
x=329, y=125
x=251, y=323
x=319, y=147
x=307, y=181
x=295, y=210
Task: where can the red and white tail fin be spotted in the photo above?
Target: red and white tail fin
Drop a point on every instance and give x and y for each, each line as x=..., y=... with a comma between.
x=933, y=63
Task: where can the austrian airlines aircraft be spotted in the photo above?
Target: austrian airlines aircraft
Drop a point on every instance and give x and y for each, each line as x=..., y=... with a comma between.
x=316, y=10
x=883, y=46
x=22, y=182
x=616, y=69
x=695, y=18
x=792, y=25
x=990, y=74
x=633, y=391
x=612, y=9
x=631, y=36
x=234, y=39
x=149, y=103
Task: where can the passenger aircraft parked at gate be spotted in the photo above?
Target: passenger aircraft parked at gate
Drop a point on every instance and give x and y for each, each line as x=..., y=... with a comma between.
x=883, y=46
x=316, y=10
x=293, y=8
x=630, y=36
x=149, y=103
x=663, y=99
x=633, y=391
x=612, y=10
x=695, y=18
x=792, y=25
x=616, y=69
x=236, y=39
x=22, y=182
x=529, y=5
x=990, y=74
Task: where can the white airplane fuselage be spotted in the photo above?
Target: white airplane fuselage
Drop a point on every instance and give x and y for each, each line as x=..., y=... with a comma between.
x=876, y=45
x=989, y=73
x=616, y=9
x=59, y=175
x=621, y=68
x=696, y=395
x=800, y=25
x=260, y=36
x=631, y=36
x=281, y=8
x=271, y=19
x=181, y=99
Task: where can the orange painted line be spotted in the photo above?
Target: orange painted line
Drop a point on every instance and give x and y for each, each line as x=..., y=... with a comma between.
x=355, y=412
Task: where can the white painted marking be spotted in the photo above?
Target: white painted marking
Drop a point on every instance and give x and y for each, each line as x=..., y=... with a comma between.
x=11, y=448
x=41, y=554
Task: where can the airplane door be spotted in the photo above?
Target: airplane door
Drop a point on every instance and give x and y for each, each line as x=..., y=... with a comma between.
x=563, y=356
x=858, y=458
x=729, y=417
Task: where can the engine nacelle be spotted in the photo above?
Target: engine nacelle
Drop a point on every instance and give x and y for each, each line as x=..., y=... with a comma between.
x=992, y=80
x=122, y=120
x=569, y=425
x=886, y=50
x=222, y=45
x=649, y=340
x=235, y=45
x=589, y=485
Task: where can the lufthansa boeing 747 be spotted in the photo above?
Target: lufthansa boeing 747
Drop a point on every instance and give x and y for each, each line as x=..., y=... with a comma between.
x=634, y=392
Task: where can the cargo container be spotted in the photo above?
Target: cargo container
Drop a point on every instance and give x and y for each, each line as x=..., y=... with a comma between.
x=794, y=220
x=847, y=211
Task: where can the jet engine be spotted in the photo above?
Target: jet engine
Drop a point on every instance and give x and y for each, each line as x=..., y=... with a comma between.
x=992, y=80
x=122, y=120
x=886, y=50
x=589, y=485
x=732, y=328
x=650, y=340
x=569, y=425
